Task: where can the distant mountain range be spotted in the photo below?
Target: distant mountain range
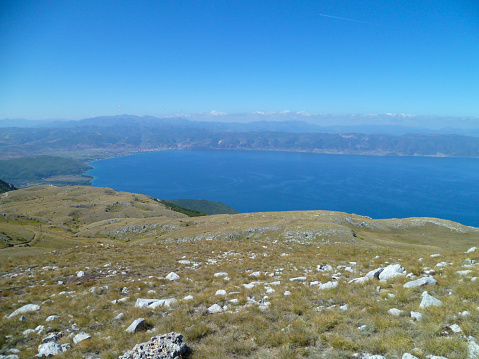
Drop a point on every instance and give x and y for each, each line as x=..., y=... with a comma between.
x=391, y=124
x=108, y=136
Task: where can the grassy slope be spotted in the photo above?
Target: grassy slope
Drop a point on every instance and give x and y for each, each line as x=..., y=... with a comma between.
x=204, y=206
x=30, y=171
x=84, y=228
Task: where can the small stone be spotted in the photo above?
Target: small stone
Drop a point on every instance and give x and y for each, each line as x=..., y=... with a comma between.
x=298, y=279
x=420, y=282
x=408, y=356
x=220, y=292
x=455, y=328
x=172, y=276
x=119, y=316
x=51, y=318
x=416, y=316
x=81, y=337
x=344, y=307
x=287, y=293
x=472, y=249
x=215, y=308
x=80, y=274
x=328, y=285
x=428, y=300
x=221, y=274
x=136, y=326
x=396, y=312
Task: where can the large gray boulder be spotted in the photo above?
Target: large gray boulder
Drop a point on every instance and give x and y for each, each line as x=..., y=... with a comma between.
x=420, y=282
x=166, y=346
x=392, y=271
x=25, y=309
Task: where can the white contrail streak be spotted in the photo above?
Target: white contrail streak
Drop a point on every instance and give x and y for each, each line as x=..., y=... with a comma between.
x=344, y=18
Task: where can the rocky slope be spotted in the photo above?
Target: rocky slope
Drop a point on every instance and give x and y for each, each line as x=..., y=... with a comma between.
x=262, y=285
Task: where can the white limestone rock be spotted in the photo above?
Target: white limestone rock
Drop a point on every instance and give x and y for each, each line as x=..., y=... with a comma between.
x=51, y=318
x=221, y=274
x=153, y=303
x=420, y=282
x=287, y=293
x=215, y=308
x=360, y=280
x=455, y=328
x=80, y=274
x=428, y=301
x=49, y=349
x=374, y=273
x=416, y=316
x=473, y=348
x=408, y=356
x=298, y=279
x=464, y=272
x=136, y=326
x=25, y=309
x=471, y=250
x=392, y=271
x=221, y=292
x=172, y=276
x=328, y=285
x=396, y=312
x=81, y=337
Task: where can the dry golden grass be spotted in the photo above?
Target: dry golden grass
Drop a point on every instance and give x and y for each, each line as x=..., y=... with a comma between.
x=308, y=323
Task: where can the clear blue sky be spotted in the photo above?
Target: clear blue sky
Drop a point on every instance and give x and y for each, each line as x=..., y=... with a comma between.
x=82, y=58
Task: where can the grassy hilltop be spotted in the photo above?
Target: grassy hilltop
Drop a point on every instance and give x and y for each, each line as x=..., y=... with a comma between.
x=126, y=244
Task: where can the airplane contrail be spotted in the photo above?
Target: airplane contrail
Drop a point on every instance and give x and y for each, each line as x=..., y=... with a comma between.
x=344, y=18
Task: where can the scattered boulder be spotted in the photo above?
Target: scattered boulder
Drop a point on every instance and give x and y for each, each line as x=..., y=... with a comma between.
x=396, y=312
x=392, y=271
x=328, y=285
x=428, y=301
x=420, y=282
x=137, y=325
x=81, y=337
x=166, y=346
x=220, y=292
x=52, y=317
x=374, y=273
x=416, y=316
x=80, y=274
x=25, y=309
x=471, y=250
x=172, y=276
x=215, y=308
x=221, y=274
x=408, y=356
x=360, y=280
x=153, y=303
x=298, y=279
x=49, y=349
x=473, y=348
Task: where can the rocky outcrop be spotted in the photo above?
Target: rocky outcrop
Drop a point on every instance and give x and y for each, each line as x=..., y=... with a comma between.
x=166, y=346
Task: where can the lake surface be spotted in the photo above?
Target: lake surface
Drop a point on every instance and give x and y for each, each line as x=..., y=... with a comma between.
x=254, y=181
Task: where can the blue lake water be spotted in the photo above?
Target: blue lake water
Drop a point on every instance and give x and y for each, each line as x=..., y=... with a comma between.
x=254, y=181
